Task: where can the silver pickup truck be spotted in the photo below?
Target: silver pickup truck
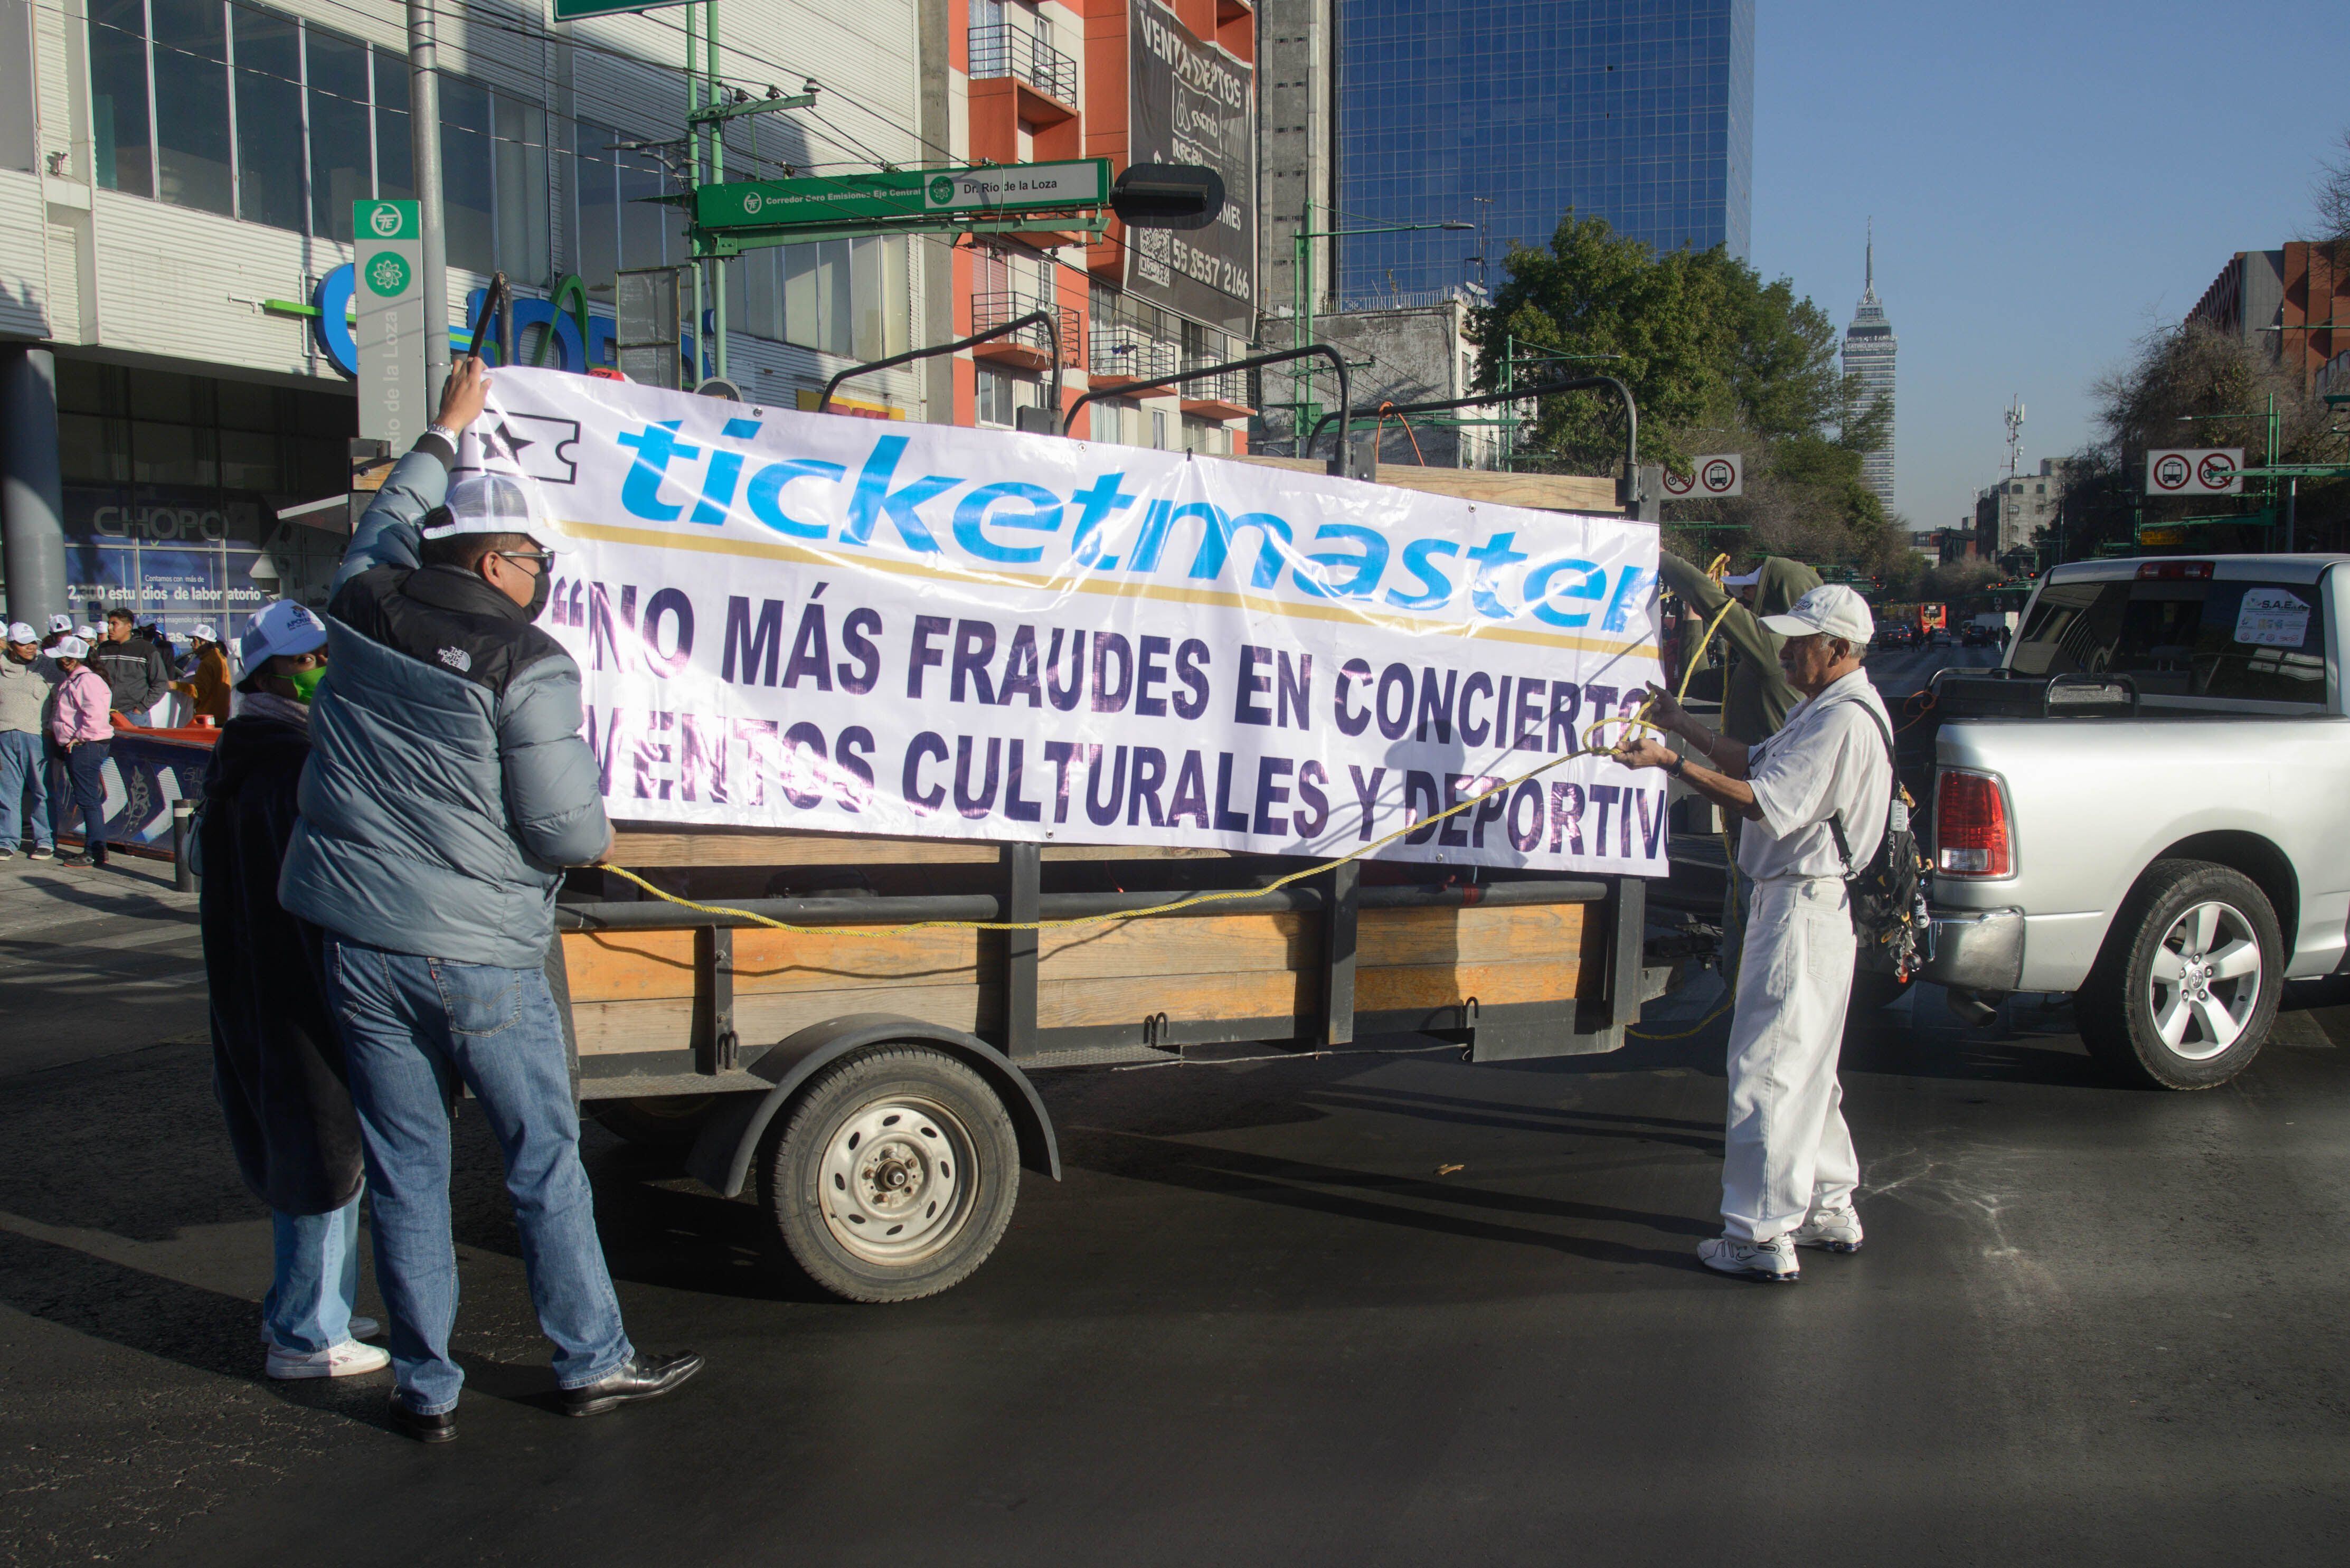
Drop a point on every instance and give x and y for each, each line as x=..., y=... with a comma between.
x=2148, y=806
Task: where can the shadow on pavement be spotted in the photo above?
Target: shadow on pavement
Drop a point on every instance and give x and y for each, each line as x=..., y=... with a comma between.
x=1298, y=1184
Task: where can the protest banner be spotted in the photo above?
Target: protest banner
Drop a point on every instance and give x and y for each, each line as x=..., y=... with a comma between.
x=790, y=620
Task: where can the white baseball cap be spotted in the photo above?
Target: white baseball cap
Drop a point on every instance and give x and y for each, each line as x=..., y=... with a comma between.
x=284, y=628
x=207, y=632
x=486, y=504
x=86, y=633
x=61, y=623
x=1831, y=609
x=70, y=648
x=22, y=631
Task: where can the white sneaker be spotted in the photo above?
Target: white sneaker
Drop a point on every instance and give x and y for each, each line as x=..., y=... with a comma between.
x=361, y=1328
x=348, y=1359
x=1771, y=1262
x=1834, y=1229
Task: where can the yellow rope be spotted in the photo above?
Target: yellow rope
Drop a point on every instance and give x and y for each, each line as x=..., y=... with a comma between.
x=1591, y=746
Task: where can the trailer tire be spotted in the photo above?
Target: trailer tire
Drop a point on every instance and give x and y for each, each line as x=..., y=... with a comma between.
x=2187, y=919
x=892, y=1175
x=657, y=1121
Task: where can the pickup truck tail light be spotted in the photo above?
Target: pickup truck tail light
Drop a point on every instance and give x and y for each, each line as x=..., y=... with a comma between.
x=1970, y=830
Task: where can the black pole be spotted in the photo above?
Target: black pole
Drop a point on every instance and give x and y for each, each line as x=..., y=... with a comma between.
x=1479, y=399
x=1043, y=318
x=1324, y=351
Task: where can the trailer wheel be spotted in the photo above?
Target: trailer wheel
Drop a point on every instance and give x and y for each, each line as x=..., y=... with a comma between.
x=893, y=1176
x=658, y=1121
x=2187, y=988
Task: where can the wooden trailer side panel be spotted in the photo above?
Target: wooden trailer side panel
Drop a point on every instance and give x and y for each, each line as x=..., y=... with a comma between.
x=633, y=991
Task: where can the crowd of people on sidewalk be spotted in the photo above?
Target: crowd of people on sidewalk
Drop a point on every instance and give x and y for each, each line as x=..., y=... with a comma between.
x=65, y=695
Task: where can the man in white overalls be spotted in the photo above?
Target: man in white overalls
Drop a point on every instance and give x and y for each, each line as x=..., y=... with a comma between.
x=1788, y=1166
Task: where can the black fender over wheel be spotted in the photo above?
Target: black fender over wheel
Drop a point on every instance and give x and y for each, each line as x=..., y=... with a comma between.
x=2185, y=991
x=893, y=1176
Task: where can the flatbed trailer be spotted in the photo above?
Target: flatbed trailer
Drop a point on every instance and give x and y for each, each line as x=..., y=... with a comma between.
x=873, y=1084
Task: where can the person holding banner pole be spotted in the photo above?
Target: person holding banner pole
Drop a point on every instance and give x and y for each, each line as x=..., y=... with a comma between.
x=1823, y=782
x=447, y=788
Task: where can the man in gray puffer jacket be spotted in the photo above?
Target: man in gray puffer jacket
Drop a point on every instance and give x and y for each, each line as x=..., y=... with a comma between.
x=447, y=788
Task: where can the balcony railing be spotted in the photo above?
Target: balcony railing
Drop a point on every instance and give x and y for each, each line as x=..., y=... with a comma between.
x=1232, y=387
x=1000, y=49
x=1121, y=351
x=989, y=310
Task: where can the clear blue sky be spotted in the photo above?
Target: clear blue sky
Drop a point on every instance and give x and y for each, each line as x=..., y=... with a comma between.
x=2049, y=182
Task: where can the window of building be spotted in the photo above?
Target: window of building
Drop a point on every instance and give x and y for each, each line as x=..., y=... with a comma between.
x=261, y=115
x=1001, y=397
x=18, y=142
x=269, y=161
x=839, y=297
x=341, y=148
x=1159, y=429
x=190, y=57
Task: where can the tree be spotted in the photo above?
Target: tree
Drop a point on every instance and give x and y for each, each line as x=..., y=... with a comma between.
x=2192, y=384
x=2332, y=195
x=1717, y=360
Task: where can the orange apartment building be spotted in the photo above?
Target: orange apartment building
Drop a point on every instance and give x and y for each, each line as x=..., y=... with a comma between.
x=1129, y=80
x=2292, y=301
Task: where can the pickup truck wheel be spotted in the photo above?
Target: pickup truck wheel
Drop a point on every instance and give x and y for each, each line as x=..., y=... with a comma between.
x=2183, y=996
x=893, y=1176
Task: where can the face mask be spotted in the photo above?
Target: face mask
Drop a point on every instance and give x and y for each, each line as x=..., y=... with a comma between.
x=539, y=590
x=306, y=682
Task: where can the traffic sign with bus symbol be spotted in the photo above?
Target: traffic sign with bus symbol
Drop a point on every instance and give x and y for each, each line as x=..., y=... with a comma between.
x=2195, y=470
x=1711, y=477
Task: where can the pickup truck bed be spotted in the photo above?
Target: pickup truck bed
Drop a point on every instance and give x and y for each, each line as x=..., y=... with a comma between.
x=2166, y=747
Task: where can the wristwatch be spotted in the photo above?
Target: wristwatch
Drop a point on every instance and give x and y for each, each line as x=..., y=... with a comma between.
x=1681, y=761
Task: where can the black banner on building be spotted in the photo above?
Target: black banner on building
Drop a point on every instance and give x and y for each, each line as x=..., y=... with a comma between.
x=1190, y=102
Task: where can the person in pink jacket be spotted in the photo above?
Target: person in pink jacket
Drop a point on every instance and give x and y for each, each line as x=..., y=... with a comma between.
x=79, y=726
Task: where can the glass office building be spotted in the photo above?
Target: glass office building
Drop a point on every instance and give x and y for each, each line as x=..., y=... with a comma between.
x=1638, y=111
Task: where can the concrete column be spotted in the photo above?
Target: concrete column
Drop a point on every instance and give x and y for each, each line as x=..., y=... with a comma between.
x=32, y=502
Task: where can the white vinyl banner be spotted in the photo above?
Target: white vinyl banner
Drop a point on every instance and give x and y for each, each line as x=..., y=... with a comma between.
x=801, y=620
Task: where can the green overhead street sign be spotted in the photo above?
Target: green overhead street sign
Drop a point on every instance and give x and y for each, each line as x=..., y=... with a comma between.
x=573, y=10
x=827, y=200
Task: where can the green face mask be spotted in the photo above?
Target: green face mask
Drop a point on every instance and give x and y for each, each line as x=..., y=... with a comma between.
x=306, y=682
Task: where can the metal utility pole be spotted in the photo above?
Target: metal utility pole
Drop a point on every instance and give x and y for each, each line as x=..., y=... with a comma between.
x=424, y=146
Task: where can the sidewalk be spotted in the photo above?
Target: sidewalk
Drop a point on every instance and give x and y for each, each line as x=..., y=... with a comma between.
x=94, y=963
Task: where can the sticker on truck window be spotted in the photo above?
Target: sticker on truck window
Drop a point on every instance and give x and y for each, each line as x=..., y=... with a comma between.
x=2272, y=618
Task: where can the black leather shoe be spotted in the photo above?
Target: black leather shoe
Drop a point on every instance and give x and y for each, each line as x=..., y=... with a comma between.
x=641, y=1376
x=441, y=1428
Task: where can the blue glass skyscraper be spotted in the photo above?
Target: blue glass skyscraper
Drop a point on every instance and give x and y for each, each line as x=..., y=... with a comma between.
x=1638, y=111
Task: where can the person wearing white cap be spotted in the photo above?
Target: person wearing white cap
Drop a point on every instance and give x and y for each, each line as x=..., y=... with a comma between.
x=206, y=683
x=26, y=677
x=1789, y=1169
x=60, y=626
x=278, y=1059
x=84, y=738
x=447, y=788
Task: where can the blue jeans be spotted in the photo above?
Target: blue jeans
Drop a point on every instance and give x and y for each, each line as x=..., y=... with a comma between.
x=413, y=1027
x=84, y=785
x=24, y=787
x=308, y=1307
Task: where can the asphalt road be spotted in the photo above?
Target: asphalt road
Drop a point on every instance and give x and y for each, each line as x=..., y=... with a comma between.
x=1364, y=1309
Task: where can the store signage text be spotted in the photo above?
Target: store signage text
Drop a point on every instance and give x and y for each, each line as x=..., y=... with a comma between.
x=331, y=327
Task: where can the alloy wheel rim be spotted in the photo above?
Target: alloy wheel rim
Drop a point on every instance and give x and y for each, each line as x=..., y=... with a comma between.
x=897, y=1179
x=2205, y=980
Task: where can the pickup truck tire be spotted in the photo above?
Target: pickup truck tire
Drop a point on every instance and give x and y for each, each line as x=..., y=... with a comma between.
x=2185, y=991
x=893, y=1175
